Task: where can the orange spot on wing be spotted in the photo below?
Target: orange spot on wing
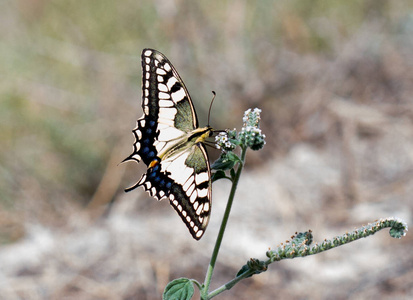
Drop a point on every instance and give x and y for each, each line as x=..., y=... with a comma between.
x=153, y=163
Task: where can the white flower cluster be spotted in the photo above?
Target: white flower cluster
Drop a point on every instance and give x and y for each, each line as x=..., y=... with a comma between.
x=252, y=131
x=223, y=142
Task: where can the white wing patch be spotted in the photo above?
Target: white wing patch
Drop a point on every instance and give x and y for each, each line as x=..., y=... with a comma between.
x=175, y=165
x=169, y=133
x=171, y=82
x=187, y=177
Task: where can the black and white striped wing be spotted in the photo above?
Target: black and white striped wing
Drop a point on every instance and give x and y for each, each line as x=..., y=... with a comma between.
x=168, y=110
x=184, y=178
x=178, y=166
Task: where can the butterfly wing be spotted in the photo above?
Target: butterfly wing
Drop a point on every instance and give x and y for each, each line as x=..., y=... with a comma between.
x=168, y=110
x=178, y=165
x=184, y=178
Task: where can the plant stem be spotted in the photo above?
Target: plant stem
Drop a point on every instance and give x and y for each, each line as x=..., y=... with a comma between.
x=230, y=284
x=204, y=292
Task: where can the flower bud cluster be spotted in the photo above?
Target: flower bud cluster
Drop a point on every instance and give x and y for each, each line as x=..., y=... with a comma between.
x=251, y=134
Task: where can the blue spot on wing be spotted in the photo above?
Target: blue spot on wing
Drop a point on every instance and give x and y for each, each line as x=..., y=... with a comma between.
x=159, y=180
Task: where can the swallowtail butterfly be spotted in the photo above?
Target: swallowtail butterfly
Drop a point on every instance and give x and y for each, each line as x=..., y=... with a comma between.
x=169, y=141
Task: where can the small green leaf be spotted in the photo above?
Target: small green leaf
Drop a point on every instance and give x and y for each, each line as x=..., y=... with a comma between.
x=178, y=289
x=226, y=161
x=233, y=157
x=244, y=269
x=218, y=175
x=255, y=265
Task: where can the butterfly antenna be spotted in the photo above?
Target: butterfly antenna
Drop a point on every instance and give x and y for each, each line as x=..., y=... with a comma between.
x=210, y=106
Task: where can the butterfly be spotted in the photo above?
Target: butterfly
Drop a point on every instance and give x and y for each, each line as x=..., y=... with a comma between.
x=170, y=142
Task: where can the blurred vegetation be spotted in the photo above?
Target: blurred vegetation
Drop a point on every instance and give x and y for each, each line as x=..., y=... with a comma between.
x=70, y=87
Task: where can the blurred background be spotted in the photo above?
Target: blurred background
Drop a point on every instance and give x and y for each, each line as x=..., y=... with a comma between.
x=334, y=80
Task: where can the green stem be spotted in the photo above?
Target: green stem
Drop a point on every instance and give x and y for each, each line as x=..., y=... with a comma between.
x=204, y=292
x=230, y=284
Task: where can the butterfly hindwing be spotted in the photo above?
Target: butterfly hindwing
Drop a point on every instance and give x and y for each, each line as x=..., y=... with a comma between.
x=169, y=142
x=189, y=191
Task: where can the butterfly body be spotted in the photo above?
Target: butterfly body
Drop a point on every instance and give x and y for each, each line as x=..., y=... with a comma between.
x=169, y=141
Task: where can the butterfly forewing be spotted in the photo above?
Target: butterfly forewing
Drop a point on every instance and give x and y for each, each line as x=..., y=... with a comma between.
x=166, y=139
